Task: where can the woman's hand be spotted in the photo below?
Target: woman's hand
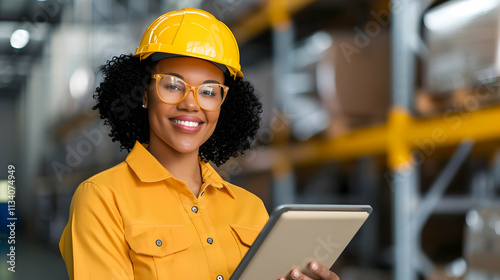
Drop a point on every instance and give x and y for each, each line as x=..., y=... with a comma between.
x=323, y=272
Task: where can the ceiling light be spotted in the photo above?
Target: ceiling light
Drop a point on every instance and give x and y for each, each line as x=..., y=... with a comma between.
x=81, y=82
x=4, y=186
x=19, y=39
x=454, y=14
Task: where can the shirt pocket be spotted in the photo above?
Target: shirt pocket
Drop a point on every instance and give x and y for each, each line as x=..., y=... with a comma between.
x=154, y=247
x=244, y=236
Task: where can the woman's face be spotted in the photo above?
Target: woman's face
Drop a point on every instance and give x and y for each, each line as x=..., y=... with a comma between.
x=169, y=122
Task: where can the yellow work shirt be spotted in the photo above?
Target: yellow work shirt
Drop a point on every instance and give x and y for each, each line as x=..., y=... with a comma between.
x=136, y=221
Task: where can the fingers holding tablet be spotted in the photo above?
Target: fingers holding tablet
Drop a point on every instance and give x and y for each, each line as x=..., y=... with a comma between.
x=321, y=271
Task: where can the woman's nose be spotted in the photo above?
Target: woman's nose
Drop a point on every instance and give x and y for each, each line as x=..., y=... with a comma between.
x=189, y=103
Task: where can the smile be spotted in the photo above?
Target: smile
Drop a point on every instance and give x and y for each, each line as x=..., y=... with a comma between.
x=186, y=123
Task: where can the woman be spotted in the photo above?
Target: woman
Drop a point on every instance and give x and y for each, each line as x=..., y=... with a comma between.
x=165, y=213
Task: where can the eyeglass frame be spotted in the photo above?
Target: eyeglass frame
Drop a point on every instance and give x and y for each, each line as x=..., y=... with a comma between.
x=189, y=88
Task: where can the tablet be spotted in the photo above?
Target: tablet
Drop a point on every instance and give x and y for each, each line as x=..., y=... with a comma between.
x=295, y=235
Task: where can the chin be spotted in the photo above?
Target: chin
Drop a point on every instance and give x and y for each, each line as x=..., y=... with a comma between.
x=186, y=149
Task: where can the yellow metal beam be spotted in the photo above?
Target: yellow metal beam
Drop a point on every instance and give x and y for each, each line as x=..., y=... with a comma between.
x=398, y=148
x=451, y=128
x=424, y=135
x=366, y=141
x=260, y=21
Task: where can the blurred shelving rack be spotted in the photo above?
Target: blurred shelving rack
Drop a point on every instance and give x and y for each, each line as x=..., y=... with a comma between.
x=397, y=140
x=411, y=210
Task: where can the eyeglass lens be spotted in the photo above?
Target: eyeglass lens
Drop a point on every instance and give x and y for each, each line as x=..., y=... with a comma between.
x=172, y=89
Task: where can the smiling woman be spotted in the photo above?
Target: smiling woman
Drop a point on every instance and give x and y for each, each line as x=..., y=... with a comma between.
x=165, y=213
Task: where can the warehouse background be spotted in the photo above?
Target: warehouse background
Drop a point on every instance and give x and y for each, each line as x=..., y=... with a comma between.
x=393, y=104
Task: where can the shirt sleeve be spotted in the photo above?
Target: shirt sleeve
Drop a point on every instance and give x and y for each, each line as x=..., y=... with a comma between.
x=93, y=243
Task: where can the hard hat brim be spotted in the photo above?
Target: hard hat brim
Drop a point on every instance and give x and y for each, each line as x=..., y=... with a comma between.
x=159, y=56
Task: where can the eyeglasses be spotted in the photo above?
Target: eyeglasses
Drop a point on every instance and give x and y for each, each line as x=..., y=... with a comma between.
x=173, y=90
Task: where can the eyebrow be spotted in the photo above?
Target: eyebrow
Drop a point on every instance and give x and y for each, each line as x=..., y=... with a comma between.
x=205, y=82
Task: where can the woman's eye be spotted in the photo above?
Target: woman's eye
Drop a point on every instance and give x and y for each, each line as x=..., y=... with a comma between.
x=208, y=92
x=172, y=87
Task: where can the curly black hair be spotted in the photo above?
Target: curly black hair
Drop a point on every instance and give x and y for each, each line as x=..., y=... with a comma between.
x=119, y=100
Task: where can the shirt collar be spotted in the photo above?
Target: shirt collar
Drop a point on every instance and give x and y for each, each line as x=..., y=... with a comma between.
x=213, y=178
x=149, y=169
x=145, y=165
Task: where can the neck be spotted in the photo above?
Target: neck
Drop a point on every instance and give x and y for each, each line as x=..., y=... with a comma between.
x=182, y=166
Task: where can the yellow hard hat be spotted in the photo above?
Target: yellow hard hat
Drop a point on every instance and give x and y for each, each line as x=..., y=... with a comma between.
x=194, y=33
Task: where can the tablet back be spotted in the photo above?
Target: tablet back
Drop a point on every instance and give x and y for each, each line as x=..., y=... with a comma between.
x=297, y=234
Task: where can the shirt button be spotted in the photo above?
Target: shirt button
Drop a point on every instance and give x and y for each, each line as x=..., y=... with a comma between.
x=159, y=243
x=210, y=240
x=202, y=193
x=219, y=277
x=194, y=209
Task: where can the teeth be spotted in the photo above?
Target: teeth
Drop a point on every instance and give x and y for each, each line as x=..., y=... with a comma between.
x=184, y=123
